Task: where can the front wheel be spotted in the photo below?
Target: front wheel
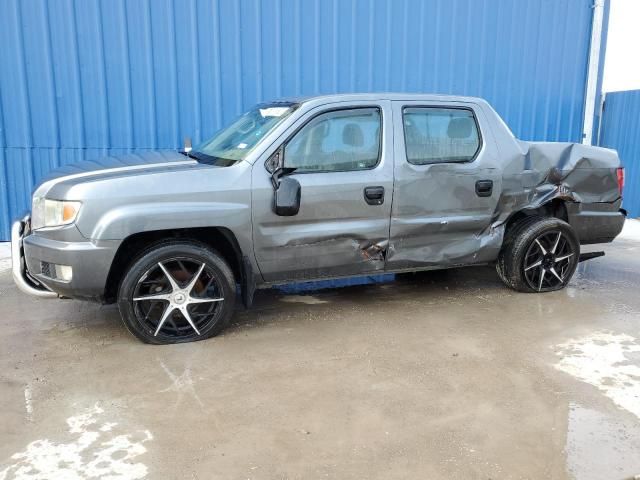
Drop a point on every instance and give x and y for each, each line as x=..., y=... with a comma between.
x=177, y=292
x=539, y=255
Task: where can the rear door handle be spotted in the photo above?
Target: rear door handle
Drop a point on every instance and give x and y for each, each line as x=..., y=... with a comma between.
x=374, y=195
x=484, y=188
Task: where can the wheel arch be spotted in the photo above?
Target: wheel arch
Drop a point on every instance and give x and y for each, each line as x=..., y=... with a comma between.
x=222, y=239
x=555, y=207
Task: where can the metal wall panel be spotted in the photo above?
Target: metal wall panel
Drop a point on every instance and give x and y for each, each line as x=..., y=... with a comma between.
x=621, y=130
x=80, y=78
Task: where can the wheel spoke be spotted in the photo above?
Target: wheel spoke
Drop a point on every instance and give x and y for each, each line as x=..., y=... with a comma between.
x=174, y=285
x=553, y=270
x=542, y=273
x=187, y=317
x=555, y=245
x=192, y=283
x=534, y=265
x=564, y=257
x=542, y=249
x=195, y=300
x=167, y=311
x=549, y=261
x=164, y=297
x=160, y=296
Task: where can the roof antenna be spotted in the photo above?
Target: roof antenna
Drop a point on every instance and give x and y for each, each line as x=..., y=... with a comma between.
x=187, y=144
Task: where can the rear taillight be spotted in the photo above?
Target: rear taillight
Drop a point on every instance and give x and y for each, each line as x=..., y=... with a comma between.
x=620, y=174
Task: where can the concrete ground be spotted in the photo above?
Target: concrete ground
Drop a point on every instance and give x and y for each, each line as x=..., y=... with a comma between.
x=438, y=375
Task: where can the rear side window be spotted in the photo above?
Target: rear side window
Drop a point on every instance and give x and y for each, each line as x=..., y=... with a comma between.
x=440, y=135
x=339, y=140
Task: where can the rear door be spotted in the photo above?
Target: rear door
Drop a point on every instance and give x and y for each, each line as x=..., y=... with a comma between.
x=344, y=162
x=447, y=185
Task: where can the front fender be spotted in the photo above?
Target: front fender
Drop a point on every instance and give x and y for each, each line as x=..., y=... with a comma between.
x=125, y=220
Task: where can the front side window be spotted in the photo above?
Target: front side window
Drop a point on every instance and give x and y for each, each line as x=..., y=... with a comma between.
x=339, y=140
x=440, y=135
x=233, y=143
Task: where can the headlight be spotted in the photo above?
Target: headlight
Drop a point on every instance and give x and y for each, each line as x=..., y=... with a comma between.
x=53, y=213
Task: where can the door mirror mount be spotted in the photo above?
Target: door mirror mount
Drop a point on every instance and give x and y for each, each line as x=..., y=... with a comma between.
x=275, y=162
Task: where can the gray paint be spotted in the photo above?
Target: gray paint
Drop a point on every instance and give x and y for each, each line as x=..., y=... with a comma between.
x=431, y=216
x=335, y=225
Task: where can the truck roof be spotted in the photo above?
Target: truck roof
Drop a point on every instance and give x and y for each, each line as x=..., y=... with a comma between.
x=341, y=97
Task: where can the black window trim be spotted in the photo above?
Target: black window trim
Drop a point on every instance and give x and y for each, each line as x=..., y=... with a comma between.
x=284, y=144
x=441, y=107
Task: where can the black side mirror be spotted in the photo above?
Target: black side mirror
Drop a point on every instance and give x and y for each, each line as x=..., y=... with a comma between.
x=287, y=197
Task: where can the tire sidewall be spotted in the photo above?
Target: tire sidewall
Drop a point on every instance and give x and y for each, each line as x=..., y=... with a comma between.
x=165, y=251
x=570, y=235
x=511, y=266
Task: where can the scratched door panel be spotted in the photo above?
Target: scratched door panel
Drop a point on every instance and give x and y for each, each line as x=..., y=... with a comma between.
x=336, y=232
x=438, y=218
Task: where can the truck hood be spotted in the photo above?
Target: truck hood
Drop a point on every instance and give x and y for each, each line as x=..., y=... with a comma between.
x=116, y=166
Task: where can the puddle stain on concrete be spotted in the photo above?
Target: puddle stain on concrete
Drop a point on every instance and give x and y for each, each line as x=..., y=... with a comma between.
x=306, y=299
x=601, y=446
x=609, y=362
x=182, y=385
x=28, y=403
x=96, y=452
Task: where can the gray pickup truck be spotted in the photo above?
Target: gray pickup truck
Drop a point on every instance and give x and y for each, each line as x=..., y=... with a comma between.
x=313, y=188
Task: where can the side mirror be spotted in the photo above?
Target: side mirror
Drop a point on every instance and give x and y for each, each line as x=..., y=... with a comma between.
x=287, y=197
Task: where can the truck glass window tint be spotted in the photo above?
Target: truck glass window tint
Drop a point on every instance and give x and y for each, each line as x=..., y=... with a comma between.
x=339, y=140
x=440, y=135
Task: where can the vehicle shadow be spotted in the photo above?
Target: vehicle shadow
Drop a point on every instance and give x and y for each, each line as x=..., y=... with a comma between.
x=270, y=305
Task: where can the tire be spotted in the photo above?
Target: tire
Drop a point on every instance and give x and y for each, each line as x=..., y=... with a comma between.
x=538, y=255
x=201, y=293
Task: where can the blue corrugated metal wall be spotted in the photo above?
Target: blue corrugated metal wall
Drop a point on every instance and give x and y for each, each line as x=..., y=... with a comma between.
x=621, y=130
x=82, y=78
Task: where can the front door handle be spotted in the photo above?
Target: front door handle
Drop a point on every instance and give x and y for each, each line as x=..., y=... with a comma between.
x=484, y=188
x=374, y=195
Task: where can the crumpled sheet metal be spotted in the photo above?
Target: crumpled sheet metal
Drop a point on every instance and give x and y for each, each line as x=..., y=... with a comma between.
x=531, y=177
x=528, y=176
x=333, y=255
x=568, y=171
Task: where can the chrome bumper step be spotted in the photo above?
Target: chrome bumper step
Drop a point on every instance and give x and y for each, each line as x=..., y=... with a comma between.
x=21, y=277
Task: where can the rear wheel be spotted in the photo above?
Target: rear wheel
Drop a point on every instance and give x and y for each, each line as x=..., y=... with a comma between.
x=539, y=255
x=177, y=292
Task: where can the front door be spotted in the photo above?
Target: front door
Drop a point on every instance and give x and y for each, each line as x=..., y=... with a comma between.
x=447, y=185
x=343, y=160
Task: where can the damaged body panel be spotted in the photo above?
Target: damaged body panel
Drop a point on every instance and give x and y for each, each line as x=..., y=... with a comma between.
x=337, y=231
x=319, y=187
x=439, y=220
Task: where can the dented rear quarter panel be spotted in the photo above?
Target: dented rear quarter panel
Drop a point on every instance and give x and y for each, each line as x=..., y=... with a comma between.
x=431, y=216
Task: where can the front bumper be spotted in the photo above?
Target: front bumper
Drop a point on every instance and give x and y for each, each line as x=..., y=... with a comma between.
x=90, y=262
x=25, y=282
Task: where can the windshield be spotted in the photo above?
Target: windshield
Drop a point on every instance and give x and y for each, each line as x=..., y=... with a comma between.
x=233, y=143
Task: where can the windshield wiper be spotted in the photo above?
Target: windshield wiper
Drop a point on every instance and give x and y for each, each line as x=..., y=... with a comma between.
x=188, y=154
x=201, y=157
